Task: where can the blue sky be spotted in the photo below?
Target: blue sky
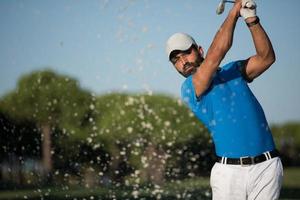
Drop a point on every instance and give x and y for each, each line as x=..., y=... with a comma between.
x=118, y=45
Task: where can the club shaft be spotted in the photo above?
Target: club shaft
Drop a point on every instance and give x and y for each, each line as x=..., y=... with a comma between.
x=229, y=1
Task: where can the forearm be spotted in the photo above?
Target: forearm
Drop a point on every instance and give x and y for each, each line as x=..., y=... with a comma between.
x=224, y=37
x=264, y=56
x=215, y=54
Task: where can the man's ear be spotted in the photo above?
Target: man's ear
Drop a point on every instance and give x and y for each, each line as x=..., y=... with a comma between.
x=201, y=51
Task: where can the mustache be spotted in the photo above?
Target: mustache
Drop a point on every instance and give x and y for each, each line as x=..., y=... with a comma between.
x=195, y=64
x=189, y=64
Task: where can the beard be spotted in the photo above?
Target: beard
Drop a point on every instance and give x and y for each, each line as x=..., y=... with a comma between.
x=190, y=68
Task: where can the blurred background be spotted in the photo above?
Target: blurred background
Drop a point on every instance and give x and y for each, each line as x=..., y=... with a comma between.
x=90, y=106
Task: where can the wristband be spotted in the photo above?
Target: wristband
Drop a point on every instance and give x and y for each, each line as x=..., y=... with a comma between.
x=256, y=21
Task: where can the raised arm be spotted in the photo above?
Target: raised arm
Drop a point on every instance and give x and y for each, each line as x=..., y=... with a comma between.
x=216, y=52
x=265, y=55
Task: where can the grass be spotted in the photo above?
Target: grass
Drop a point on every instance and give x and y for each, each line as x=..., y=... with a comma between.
x=291, y=183
x=196, y=188
x=291, y=177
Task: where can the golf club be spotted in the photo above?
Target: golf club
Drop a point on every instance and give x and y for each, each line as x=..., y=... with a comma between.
x=221, y=6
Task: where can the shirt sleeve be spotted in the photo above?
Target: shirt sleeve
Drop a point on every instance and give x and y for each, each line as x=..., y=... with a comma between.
x=242, y=68
x=198, y=105
x=188, y=94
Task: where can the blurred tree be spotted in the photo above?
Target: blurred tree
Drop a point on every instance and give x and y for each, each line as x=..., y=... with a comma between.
x=17, y=138
x=287, y=139
x=143, y=130
x=17, y=141
x=51, y=101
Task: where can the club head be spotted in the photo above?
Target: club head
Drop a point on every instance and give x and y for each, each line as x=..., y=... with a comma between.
x=220, y=8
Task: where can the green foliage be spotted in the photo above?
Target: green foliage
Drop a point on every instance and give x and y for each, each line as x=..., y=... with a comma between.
x=287, y=139
x=128, y=124
x=287, y=131
x=45, y=97
x=158, y=119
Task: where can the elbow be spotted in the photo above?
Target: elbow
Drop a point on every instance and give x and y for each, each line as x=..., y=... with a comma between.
x=269, y=59
x=273, y=58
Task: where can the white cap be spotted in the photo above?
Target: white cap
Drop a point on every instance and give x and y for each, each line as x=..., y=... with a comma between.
x=179, y=41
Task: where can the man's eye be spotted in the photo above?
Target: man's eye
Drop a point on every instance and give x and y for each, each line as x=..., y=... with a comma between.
x=174, y=60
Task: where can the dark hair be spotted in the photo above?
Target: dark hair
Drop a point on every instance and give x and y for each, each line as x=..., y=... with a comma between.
x=175, y=52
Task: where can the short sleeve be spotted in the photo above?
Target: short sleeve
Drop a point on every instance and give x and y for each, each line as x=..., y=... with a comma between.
x=188, y=94
x=242, y=68
x=200, y=106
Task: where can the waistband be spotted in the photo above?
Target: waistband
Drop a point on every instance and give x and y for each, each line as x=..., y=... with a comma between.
x=248, y=160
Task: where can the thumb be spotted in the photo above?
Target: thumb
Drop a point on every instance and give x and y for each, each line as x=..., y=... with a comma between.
x=248, y=4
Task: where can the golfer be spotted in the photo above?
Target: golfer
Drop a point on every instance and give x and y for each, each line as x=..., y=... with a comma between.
x=248, y=165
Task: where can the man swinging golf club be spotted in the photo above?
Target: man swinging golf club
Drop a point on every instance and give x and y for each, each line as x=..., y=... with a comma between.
x=248, y=164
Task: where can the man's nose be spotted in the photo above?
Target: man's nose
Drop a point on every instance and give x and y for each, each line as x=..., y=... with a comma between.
x=183, y=60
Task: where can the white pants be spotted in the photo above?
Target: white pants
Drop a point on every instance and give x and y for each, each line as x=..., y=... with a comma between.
x=261, y=181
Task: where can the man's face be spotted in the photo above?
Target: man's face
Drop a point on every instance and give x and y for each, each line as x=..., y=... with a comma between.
x=186, y=62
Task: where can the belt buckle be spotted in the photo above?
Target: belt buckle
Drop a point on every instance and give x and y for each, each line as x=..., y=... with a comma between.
x=245, y=165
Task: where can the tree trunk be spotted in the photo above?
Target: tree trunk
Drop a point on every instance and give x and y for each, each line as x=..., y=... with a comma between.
x=156, y=164
x=46, y=148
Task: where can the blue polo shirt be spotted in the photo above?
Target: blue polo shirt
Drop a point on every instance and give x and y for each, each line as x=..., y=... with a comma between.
x=231, y=112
